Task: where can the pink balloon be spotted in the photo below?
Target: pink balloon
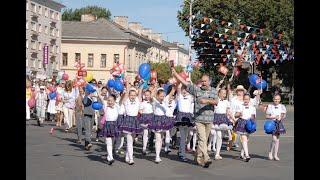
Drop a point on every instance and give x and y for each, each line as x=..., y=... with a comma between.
x=32, y=102
x=65, y=76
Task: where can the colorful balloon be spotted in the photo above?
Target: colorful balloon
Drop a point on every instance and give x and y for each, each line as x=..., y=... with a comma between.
x=96, y=105
x=65, y=76
x=144, y=70
x=89, y=77
x=110, y=83
x=269, y=126
x=118, y=86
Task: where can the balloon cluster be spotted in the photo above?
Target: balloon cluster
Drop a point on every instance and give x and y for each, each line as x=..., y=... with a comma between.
x=257, y=81
x=117, y=71
x=146, y=75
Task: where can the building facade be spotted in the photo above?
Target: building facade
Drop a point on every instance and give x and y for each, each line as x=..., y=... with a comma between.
x=43, y=36
x=100, y=43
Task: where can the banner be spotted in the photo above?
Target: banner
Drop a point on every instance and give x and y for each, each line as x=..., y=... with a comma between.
x=45, y=54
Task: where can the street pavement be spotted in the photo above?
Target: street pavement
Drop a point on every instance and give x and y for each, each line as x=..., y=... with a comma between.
x=58, y=157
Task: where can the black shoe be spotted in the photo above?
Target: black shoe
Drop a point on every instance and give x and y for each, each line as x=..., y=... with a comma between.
x=110, y=162
x=38, y=123
x=207, y=164
x=88, y=147
x=78, y=141
x=247, y=159
x=183, y=159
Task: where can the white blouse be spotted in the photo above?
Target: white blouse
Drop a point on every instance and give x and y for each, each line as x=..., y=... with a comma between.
x=146, y=107
x=247, y=111
x=132, y=108
x=170, y=106
x=185, y=103
x=159, y=109
x=274, y=110
x=221, y=107
x=112, y=113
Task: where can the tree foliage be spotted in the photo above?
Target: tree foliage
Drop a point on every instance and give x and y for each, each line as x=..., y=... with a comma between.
x=164, y=71
x=75, y=15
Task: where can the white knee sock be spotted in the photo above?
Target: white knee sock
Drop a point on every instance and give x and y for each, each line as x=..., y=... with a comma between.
x=213, y=140
x=109, y=148
x=183, y=134
x=145, y=139
x=276, y=147
x=219, y=142
x=245, y=146
x=130, y=146
x=167, y=140
x=273, y=143
x=194, y=141
x=158, y=143
x=119, y=142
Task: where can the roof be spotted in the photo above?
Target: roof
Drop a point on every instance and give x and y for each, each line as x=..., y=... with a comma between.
x=173, y=45
x=50, y=4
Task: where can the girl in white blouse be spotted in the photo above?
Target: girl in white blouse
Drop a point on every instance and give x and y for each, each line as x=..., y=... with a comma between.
x=244, y=112
x=276, y=112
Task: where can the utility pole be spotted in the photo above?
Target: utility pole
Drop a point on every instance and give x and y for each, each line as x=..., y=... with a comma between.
x=190, y=32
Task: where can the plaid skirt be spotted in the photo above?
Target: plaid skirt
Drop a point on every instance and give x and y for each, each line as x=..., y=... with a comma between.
x=110, y=130
x=221, y=119
x=120, y=120
x=279, y=128
x=146, y=118
x=184, y=119
x=240, y=126
x=161, y=123
x=131, y=124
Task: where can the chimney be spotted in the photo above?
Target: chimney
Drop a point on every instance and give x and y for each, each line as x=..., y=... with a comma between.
x=121, y=20
x=88, y=18
x=156, y=37
x=180, y=45
x=147, y=32
x=136, y=27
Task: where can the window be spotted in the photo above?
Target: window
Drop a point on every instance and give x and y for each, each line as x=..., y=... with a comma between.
x=57, y=33
x=27, y=43
x=40, y=28
x=33, y=44
x=103, y=62
x=51, y=31
x=27, y=25
x=39, y=46
x=46, y=29
x=77, y=57
x=33, y=7
x=39, y=9
x=57, y=49
x=39, y=64
x=116, y=58
x=90, y=60
x=45, y=12
x=33, y=63
x=51, y=14
x=57, y=16
x=64, y=59
x=33, y=26
x=51, y=48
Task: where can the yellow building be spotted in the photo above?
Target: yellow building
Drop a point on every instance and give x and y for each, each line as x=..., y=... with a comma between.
x=100, y=43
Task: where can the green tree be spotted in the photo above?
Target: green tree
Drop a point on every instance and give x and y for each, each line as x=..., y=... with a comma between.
x=75, y=15
x=164, y=71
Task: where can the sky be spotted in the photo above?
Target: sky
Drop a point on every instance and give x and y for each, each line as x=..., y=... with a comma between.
x=159, y=15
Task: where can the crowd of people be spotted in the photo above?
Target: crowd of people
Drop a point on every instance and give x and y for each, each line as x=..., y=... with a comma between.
x=201, y=115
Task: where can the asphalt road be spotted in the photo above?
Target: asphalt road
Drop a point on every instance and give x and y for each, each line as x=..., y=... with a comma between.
x=57, y=156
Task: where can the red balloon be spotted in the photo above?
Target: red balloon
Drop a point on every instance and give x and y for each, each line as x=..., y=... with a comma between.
x=153, y=74
x=31, y=102
x=65, y=76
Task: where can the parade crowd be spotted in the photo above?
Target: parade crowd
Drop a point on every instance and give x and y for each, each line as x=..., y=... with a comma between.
x=201, y=115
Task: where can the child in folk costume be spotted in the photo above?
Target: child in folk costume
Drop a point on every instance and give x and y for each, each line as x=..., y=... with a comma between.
x=109, y=127
x=41, y=105
x=161, y=122
x=131, y=125
x=184, y=119
x=146, y=111
x=221, y=120
x=52, y=105
x=121, y=116
x=59, y=103
x=244, y=112
x=277, y=112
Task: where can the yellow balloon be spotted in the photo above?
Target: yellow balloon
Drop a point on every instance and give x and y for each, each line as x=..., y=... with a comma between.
x=89, y=77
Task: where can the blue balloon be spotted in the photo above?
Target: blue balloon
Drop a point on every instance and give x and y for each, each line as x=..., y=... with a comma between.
x=89, y=88
x=253, y=78
x=165, y=87
x=144, y=70
x=144, y=85
x=110, y=83
x=148, y=77
x=261, y=85
x=118, y=86
x=269, y=126
x=96, y=105
x=251, y=126
x=52, y=95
